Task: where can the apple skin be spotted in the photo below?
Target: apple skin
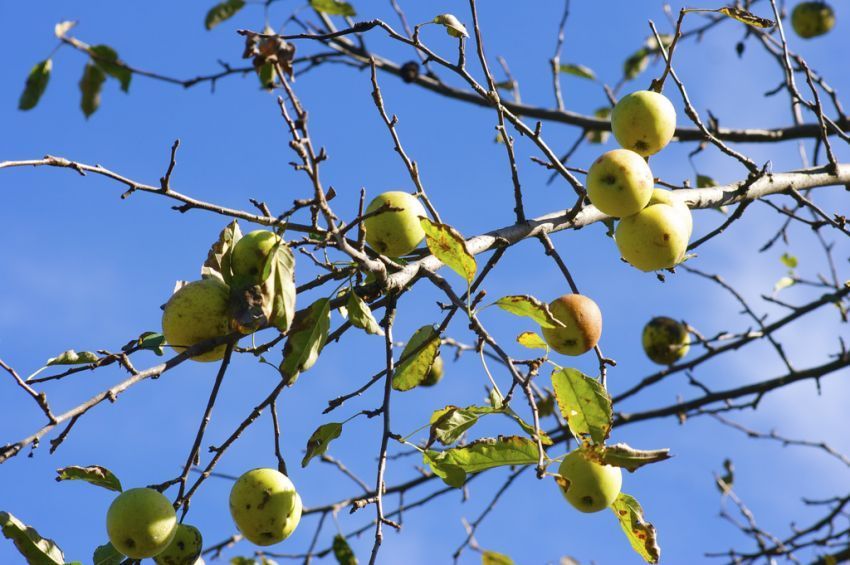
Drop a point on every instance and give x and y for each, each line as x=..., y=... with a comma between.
x=665, y=340
x=395, y=233
x=141, y=523
x=661, y=196
x=644, y=121
x=195, y=313
x=592, y=487
x=811, y=19
x=265, y=506
x=656, y=237
x=249, y=257
x=435, y=374
x=583, y=324
x=184, y=549
x=620, y=183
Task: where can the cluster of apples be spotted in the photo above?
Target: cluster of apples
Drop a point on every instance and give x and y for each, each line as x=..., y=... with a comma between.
x=654, y=226
x=141, y=522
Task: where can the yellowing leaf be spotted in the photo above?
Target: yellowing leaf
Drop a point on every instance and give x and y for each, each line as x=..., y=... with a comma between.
x=360, y=315
x=789, y=261
x=629, y=458
x=584, y=404
x=578, y=70
x=449, y=246
x=492, y=452
x=532, y=341
x=35, y=549
x=746, y=17
x=414, y=367
x=71, y=357
x=222, y=11
x=94, y=474
x=527, y=305
x=784, y=282
x=640, y=533
x=333, y=7
x=217, y=264
x=493, y=558
x=452, y=25
x=451, y=474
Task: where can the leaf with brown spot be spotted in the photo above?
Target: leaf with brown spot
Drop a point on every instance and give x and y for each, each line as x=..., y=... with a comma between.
x=94, y=474
x=746, y=17
x=35, y=549
x=360, y=315
x=410, y=372
x=528, y=306
x=449, y=246
x=307, y=337
x=532, y=341
x=585, y=405
x=487, y=453
x=217, y=264
x=640, y=533
x=320, y=440
x=629, y=458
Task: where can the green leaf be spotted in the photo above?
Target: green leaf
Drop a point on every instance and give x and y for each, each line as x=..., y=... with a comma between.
x=413, y=370
x=532, y=341
x=222, y=11
x=704, y=181
x=306, y=339
x=451, y=474
x=584, y=404
x=449, y=424
x=578, y=70
x=528, y=428
x=266, y=75
x=36, y=84
x=789, y=261
x=452, y=25
x=360, y=315
x=493, y=558
x=527, y=305
x=599, y=136
x=284, y=293
x=217, y=264
x=636, y=63
x=90, y=85
x=71, y=357
x=320, y=440
x=641, y=534
x=107, y=59
x=333, y=7
x=107, y=555
x=487, y=453
x=94, y=474
x=449, y=246
x=35, y=549
x=631, y=459
x=342, y=551
x=746, y=17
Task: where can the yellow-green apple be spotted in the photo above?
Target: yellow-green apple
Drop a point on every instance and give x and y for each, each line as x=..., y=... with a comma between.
x=657, y=236
x=265, y=506
x=811, y=19
x=394, y=232
x=582, y=324
x=141, y=523
x=643, y=121
x=620, y=183
x=184, y=549
x=250, y=255
x=589, y=486
x=195, y=313
x=665, y=340
x=435, y=373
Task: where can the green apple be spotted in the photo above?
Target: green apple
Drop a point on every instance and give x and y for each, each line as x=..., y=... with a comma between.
x=590, y=487
x=184, y=549
x=657, y=236
x=394, y=233
x=582, y=324
x=435, y=373
x=661, y=196
x=195, y=313
x=644, y=121
x=250, y=255
x=141, y=523
x=665, y=340
x=265, y=506
x=620, y=183
x=811, y=19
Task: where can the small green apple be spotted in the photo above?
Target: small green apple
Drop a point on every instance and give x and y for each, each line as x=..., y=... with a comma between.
x=184, y=549
x=657, y=236
x=265, y=506
x=250, y=255
x=435, y=373
x=582, y=324
x=620, y=183
x=141, y=523
x=665, y=340
x=811, y=19
x=590, y=487
x=394, y=233
x=195, y=313
x=644, y=121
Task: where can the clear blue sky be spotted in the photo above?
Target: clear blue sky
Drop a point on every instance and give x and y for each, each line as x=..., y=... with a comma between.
x=82, y=269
